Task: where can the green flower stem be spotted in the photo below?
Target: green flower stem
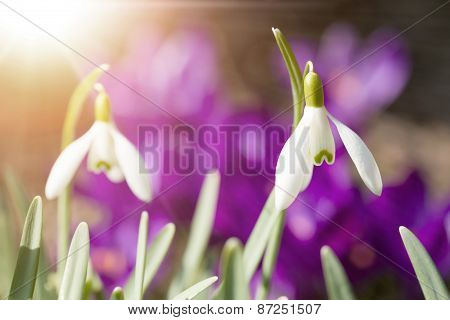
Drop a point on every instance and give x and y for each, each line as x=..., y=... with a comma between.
x=74, y=108
x=296, y=78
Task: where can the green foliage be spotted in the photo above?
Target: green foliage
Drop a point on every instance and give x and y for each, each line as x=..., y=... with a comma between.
x=234, y=284
x=336, y=281
x=191, y=292
x=75, y=271
x=141, y=251
x=200, y=232
x=155, y=255
x=117, y=294
x=430, y=280
x=24, y=279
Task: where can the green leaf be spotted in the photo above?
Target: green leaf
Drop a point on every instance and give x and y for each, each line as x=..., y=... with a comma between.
x=140, y=257
x=24, y=279
x=196, y=289
x=117, y=294
x=336, y=281
x=75, y=272
x=200, y=231
x=259, y=237
x=430, y=281
x=7, y=252
x=156, y=253
x=93, y=285
x=270, y=257
x=234, y=285
x=295, y=75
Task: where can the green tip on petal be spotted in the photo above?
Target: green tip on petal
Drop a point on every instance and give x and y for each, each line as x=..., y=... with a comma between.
x=313, y=90
x=323, y=154
x=102, y=105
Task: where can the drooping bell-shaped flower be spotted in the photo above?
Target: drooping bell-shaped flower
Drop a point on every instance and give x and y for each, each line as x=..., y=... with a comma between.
x=107, y=151
x=312, y=143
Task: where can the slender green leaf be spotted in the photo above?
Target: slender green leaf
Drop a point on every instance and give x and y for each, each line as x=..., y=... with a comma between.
x=433, y=287
x=234, y=285
x=270, y=257
x=199, y=234
x=7, y=252
x=75, y=272
x=140, y=257
x=259, y=237
x=24, y=279
x=336, y=281
x=156, y=253
x=196, y=289
x=117, y=294
x=93, y=285
x=43, y=289
x=295, y=75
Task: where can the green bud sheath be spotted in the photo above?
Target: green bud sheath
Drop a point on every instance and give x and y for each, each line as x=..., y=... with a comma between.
x=313, y=90
x=102, y=107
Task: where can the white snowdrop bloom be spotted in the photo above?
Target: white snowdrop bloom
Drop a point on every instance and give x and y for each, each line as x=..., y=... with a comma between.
x=312, y=143
x=107, y=151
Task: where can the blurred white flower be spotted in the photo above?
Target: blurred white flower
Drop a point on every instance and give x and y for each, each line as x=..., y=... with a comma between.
x=312, y=143
x=107, y=150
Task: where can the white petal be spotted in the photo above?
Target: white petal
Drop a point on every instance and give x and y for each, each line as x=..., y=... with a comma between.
x=361, y=156
x=321, y=138
x=102, y=155
x=115, y=174
x=294, y=168
x=67, y=164
x=132, y=166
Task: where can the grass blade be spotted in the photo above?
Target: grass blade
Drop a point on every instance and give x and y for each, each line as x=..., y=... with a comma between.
x=7, y=253
x=75, y=271
x=259, y=237
x=234, y=285
x=196, y=289
x=117, y=294
x=336, y=281
x=430, y=280
x=140, y=257
x=93, y=286
x=156, y=253
x=24, y=279
x=200, y=232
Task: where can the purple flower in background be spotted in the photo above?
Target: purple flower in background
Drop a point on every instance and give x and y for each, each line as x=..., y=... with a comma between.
x=360, y=77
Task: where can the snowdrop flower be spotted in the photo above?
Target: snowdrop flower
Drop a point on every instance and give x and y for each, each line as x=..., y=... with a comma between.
x=107, y=151
x=312, y=143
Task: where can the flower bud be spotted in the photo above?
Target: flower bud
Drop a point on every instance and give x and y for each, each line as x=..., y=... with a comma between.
x=102, y=105
x=313, y=90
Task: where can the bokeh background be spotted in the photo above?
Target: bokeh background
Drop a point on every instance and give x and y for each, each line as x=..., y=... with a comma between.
x=213, y=62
